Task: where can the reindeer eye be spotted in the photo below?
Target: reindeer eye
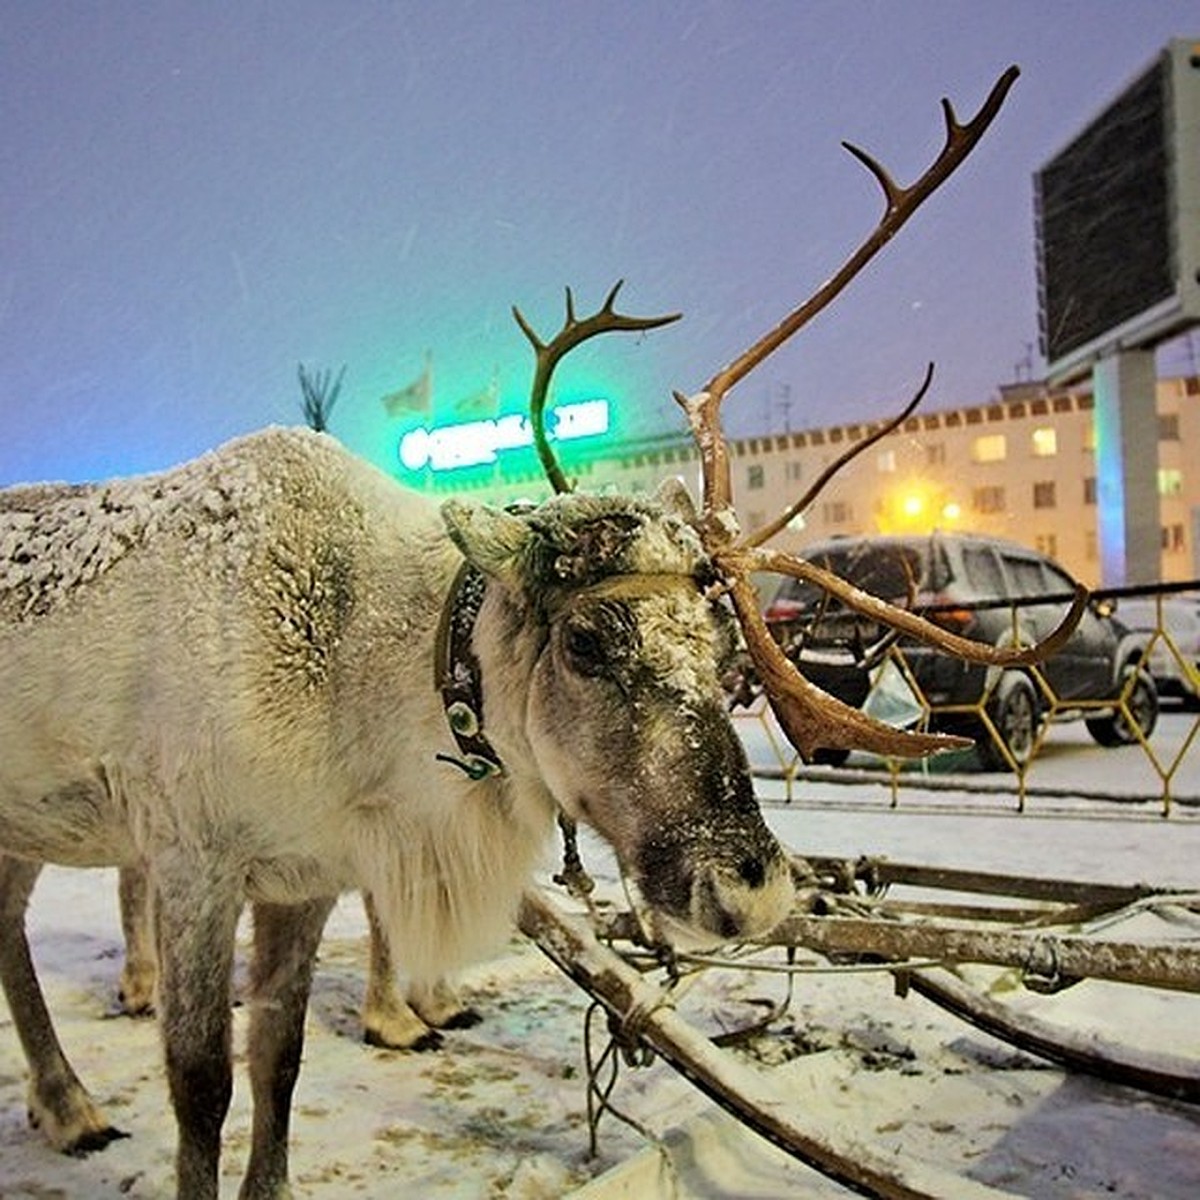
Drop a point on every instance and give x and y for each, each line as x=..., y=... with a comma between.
x=584, y=646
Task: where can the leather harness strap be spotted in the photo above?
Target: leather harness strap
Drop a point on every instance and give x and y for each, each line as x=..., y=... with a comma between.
x=457, y=676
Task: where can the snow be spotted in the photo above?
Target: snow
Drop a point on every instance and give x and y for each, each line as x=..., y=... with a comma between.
x=500, y=1110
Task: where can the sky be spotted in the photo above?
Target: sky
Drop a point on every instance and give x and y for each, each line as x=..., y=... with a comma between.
x=199, y=197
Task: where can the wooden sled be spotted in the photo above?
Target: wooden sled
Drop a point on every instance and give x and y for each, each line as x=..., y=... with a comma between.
x=1039, y=929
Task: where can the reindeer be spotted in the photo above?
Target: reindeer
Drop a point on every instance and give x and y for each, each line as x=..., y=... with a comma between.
x=226, y=671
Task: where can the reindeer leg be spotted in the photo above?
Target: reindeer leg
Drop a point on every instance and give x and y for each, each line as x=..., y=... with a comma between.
x=196, y=911
x=285, y=949
x=136, y=988
x=59, y=1105
x=387, y=1020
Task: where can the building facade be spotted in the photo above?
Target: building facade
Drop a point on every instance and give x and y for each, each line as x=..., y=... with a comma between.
x=1021, y=466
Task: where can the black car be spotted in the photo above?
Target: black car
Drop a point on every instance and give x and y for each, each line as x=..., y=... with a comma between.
x=986, y=589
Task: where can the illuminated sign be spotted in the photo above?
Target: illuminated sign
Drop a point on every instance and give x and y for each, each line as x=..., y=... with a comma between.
x=477, y=443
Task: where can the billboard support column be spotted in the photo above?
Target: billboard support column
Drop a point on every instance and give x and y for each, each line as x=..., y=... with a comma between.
x=1126, y=413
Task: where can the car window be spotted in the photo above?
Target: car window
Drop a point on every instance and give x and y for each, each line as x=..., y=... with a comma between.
x=984, y=576
x=1058, y=581
x=1026, y=575
x=939, y=575
x=881, y=570
x=886, y=571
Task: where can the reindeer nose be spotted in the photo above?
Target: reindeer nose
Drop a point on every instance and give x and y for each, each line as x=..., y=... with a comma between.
x=752, y=872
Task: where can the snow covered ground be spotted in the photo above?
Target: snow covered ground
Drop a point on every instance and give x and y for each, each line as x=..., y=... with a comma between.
x=500, y=1110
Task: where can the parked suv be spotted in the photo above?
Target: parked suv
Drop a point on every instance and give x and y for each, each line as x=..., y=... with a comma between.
x=977, y=587
x=1175, y=650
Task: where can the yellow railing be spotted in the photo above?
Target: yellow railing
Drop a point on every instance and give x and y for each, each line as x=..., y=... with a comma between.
x=1158, y=772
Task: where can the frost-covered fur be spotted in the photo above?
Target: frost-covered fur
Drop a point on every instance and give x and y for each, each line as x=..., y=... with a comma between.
x=225, y=671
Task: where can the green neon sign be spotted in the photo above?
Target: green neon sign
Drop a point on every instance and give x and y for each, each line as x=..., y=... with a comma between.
x=480, y=443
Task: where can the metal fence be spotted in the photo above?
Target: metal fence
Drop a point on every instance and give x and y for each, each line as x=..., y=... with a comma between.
x=1155, y=773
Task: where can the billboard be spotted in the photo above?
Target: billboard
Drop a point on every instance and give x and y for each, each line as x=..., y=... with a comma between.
x=1117, y=221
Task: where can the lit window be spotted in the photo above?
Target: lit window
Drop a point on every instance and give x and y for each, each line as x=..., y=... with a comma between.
x=991, y=447
x=1044, y=442
x=1170, y=481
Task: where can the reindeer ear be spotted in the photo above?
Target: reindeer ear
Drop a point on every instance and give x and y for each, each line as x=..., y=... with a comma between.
x=673, y=495
x=489, y=538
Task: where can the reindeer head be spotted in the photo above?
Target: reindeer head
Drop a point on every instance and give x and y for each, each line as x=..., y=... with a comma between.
x=625, y=717
x=602, y=605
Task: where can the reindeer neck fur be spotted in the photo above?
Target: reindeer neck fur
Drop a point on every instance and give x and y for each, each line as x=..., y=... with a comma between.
x=277, y=695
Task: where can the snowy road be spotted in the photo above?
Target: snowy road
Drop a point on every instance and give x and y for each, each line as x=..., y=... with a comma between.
x=1069, y=767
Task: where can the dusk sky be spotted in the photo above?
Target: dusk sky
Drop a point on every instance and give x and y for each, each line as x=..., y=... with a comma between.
x=200, y=196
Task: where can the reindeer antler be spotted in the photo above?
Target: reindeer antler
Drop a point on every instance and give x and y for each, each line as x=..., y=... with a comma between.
x=548, y=355
x=703, y=409
x=811, y=718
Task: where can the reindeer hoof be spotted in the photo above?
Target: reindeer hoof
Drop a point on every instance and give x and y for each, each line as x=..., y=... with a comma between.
x=135, y=991
x=429, y=1040
x=465, y=1018
x=134, y=1008
x=93, y=1140
x=74, y=1126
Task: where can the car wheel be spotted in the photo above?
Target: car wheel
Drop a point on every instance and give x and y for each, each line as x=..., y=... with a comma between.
x=1013, y=709
x=1142, y=702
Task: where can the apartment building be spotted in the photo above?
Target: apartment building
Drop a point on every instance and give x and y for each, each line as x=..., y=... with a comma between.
x=1021, y=466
